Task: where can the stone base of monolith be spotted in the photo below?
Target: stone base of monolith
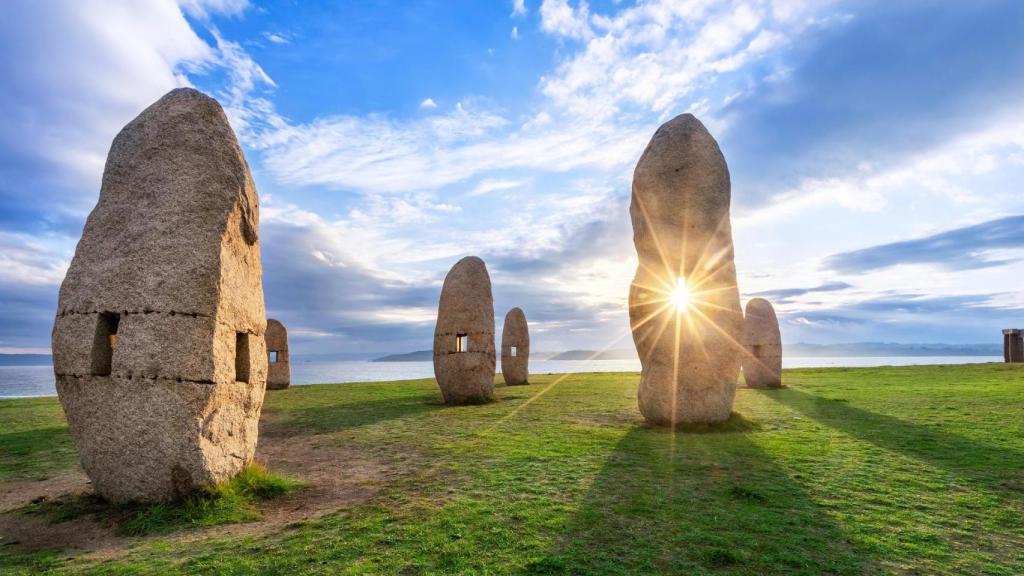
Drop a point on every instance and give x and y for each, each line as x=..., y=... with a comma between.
x=143, y=439
x=694, y=391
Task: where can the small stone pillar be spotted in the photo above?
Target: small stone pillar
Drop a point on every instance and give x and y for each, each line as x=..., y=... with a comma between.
x=762, y=362
x=464, y=357
x=279, y=370
x=515, y=348
x=1013, y=346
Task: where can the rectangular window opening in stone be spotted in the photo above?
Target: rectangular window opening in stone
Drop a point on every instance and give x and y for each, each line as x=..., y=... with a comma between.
x=272, y=356
x=241, y=357
x=512, y=352
x=104, y=342
x=756, y=350
x=462, y=342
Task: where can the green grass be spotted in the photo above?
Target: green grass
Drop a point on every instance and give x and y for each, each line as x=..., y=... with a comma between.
x=916, y=470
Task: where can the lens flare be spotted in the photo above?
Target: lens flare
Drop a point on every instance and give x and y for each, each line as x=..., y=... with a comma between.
x=681, y=295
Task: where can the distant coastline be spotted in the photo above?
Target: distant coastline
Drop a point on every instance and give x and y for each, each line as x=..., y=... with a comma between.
x=26, y=360
x=798, y=350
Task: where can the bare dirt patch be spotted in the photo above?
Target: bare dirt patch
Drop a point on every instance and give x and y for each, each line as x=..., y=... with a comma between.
x=338, y=477
x=20, y=493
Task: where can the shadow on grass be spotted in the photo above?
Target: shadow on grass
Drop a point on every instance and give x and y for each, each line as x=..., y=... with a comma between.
x=682, y=503
x=994, y=467
x=36, y=452
x=344, y=416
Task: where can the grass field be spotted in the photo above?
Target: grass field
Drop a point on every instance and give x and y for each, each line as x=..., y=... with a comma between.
x=912, y=470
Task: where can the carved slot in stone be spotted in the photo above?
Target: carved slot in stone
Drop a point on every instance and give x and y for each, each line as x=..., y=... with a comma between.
x=104, y=342
x=241, y=357
x=462, y=343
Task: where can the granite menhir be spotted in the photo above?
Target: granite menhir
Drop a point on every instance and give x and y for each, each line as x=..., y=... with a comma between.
x=279, y=371
x=515, y=348
x=762, y=364
x=158, y=342
x=464, y=335
x=684, y=304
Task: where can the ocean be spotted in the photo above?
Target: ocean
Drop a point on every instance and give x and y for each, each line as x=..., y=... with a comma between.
x=28, y=381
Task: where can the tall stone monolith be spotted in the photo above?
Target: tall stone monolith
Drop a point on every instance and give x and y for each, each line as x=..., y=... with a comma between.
x=158, y=342
x=279, y=371
x=515, y=348
x=762, y=362
x=464, y=334
x=684, y=306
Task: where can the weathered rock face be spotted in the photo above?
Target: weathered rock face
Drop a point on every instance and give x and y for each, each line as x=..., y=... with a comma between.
x=762, y=363
x=515, y=348
x=690, y=353
x=158, y=342
x=464, y=335
x=279, y=371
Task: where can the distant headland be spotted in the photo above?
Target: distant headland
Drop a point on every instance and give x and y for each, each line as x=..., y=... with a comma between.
x=800, y=349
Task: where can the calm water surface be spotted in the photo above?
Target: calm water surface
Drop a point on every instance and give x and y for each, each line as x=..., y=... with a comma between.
x=21, y=381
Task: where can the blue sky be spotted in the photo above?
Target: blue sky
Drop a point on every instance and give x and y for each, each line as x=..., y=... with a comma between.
x=876, y=152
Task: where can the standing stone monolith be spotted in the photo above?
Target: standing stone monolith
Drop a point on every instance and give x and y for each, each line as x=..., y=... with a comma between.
x=1013, y=346
x=762, y=363
x=464, y=334
x=279, y=371
x=515, y=348
x=158, y=342
x=684, y=305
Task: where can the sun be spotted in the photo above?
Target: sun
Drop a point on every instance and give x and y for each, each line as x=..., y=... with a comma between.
x=681, y=295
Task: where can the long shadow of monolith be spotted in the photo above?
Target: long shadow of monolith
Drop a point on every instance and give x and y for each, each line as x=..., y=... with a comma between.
x=335, y=417
x=998, y=469
x=694, y=503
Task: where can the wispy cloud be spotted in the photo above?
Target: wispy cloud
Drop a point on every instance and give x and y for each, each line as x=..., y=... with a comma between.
x=784, y=295
x=965, y=248
x=487, y=186
x=276, y=37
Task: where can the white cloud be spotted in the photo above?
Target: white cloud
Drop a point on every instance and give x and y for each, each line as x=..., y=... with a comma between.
x=25, y=261
x=276, y=38
x=114, y=59
x=203, y=9
x=428, y=104
x=515, y=33
x=518, y=8
x=377, y=155
x=940, y=171
x=559, y=18
x=488, y=185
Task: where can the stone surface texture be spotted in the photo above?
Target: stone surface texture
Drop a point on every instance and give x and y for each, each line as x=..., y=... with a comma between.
x=515, y=332
x=170, y=254
x=762, y=364
x=690, y=356
x=279, y=374
x=466, y=307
